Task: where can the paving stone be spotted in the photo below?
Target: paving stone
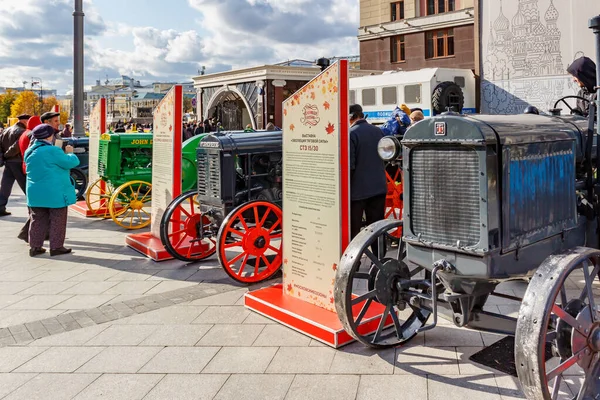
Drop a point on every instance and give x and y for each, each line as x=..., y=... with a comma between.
x=20, y=275
x=223, y=315
x=222, y=299
x=122, y=335
x=480, y=387
x=426, y=360
x=510, y=389
x=180, y=360
x=120, y=386
x=241, y=360
x=377, y=387
x=55, y=276
x=23, y=316
x=133, y=275
x=84, y=301
x=89, y=287
x=330, y=387
x=39, y=302
x=13, y=357
x=231, y=335
x=52, y=386
x=168, y=315
x=120, y=360
x=7, y=341
x=11, y=382
x=188, y=387
x=255, y=318
x=60, y=359
x=301, y=360
x=22, y=337
x=17, y=329
x=48, y=288
x=94, y=276
x=14, y=287
x=445, y=336
x=176, y=335
x=357, y=358
x=255, y=387
x=279, y=335
x=10, y=299
x=75, y=338
x=176, y=275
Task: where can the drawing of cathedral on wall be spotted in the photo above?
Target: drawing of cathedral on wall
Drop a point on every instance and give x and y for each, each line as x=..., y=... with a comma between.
x=520, y=52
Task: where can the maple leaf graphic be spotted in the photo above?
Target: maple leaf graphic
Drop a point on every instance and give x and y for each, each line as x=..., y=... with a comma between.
x=285, y=260
x=312, y=95
x=326, y=105
x=170, y=128
x=334, y=267
x=285, y=112
x=289, y=287
x=292, y=127
x=330, y=128
x=331, y=300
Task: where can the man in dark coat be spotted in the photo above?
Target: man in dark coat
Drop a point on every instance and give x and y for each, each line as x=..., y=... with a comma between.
x=368, y=185
x=583, y=71
x=13, y=160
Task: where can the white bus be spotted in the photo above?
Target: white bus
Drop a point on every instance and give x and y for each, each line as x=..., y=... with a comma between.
x=433, y=90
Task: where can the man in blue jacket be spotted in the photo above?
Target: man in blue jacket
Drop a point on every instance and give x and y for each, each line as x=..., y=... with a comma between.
x=368, y=185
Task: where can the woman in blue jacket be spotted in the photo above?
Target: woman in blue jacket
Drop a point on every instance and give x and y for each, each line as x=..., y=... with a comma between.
x=49, y=191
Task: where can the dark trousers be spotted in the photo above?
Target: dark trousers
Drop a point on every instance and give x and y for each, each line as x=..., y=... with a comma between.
x=12, y=172
x=48, y=220
x=373, y=209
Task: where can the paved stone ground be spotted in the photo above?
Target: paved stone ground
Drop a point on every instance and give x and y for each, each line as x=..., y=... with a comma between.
x=107, y=323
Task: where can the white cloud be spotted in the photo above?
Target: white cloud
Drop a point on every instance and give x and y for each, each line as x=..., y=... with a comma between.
x=37, y=39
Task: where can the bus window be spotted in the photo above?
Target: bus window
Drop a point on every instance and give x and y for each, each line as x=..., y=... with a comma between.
x=368, y=97
x=460, y=81
x=389, y=95
x=352, y=97
x=412, y=94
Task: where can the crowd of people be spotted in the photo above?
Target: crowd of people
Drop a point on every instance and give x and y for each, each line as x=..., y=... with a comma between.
x=41, y=169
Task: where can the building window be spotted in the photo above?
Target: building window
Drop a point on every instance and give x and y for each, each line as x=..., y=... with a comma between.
x=397, y=11
x=440, y=6
x=368, y=97
x=412, y=94
x=439, y=43
x=389, y=95
x=398, y=51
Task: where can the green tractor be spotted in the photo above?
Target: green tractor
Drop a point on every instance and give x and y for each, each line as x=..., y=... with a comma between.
x=124, y=190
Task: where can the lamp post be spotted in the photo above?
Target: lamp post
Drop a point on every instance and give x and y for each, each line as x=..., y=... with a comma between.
x=78, y=94
x=38, y=81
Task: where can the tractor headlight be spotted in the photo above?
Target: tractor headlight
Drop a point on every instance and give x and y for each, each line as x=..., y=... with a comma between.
x=388, y=148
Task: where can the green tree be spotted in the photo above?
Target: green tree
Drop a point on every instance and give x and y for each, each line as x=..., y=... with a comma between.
x=6, y=101
x=187, y=105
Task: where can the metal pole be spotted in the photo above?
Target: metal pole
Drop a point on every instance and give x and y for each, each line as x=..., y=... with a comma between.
x=78, y=69
x=595, y=25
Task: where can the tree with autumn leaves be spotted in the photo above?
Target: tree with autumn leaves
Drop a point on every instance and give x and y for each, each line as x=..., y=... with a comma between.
x=13, y=104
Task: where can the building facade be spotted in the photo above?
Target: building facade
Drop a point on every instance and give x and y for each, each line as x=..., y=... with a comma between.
x=414, y=34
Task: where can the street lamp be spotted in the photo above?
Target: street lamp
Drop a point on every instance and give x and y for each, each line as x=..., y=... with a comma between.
x=38, y=81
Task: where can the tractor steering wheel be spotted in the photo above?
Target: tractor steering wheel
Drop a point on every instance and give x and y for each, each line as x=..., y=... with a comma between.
x=563, y=100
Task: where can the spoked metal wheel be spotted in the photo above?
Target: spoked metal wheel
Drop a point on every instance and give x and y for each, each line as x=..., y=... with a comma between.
x=372, y=281
x=130, y=206
x=185, y=232
x=79, y=181
x=97, y=198
x=558, y=331
x=250, y=242
x=393, y=201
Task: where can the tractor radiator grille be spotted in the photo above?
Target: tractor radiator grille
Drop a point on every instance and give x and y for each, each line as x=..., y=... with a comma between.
x=209, y=175
x=445, y=199
x=103, y=158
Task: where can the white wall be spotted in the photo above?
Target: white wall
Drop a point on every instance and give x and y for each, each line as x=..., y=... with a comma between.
x=527, y=46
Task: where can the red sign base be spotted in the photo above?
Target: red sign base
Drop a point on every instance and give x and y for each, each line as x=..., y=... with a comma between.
x=313, y=321
x=82, y=209
x=148, y=245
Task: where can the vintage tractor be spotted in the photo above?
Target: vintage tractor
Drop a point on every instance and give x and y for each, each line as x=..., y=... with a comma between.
x=239, y=174
x=79, y=175
x=125, y=162
x=491, y=199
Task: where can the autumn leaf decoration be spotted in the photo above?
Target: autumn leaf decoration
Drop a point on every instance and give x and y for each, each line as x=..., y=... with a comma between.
x=326, y=105
x=289, y=287
x=330, y=128
x=292, y=127
x=334, y=267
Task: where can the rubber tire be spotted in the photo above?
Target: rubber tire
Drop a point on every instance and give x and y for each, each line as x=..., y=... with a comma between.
x=439, y=98
x=77, y=174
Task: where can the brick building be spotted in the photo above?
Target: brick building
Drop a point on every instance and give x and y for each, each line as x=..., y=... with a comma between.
x=414, y=34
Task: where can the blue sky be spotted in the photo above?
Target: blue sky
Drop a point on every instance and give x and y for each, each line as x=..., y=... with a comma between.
x=168, y=40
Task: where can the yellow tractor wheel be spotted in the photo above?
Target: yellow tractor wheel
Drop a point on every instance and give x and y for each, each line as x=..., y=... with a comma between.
x=97, y=197
x=130, y=205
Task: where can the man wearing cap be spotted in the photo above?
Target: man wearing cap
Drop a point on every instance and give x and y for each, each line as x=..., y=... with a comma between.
x=51, y=118
x=11, y=157
x=368, y=185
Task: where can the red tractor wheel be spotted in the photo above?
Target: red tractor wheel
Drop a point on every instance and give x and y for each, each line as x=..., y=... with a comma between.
x=185, y=232
x=250, y=242
x=393, y=200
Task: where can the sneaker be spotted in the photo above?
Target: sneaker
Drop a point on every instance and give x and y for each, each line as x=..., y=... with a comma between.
x=59, y=252
x=36, y=251
x=4, y=213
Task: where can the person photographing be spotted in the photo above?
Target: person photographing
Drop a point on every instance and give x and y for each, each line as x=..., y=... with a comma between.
x=49, y=190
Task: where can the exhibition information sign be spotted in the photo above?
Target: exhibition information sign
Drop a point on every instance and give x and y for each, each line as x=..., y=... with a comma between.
x=315, y=186
x=166, y=155
x=97, y=128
